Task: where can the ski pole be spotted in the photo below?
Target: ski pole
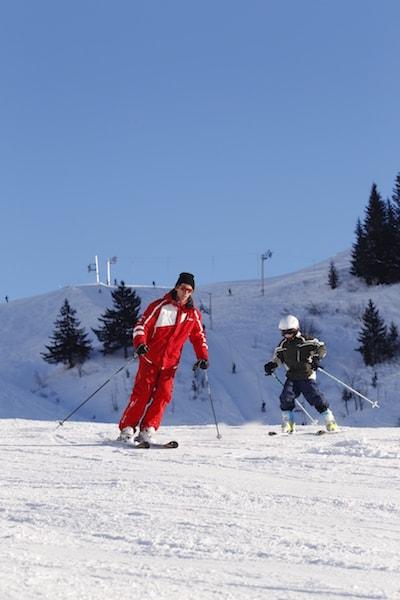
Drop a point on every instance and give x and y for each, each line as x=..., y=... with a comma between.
x=219, y=436
x=299, y=404
x=60, y=423
x=277, y=378
x=374, y=404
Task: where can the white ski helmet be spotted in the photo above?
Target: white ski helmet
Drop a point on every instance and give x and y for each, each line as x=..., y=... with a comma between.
x=289, y=322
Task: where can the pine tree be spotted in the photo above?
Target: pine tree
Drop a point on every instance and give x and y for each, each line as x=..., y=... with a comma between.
x=70, y=344
x=396, y=196
x=373, y=336
x=392, y=245
x=375, y=227
x=376, y=251
x=395, y=258
x=118, y=323
x=333, y=276
x=392, y=342
x=359, y=252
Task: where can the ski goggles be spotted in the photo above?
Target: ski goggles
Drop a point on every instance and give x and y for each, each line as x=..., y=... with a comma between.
x=286, y=332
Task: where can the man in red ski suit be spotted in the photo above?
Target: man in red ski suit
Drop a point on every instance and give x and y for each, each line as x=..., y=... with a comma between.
x=158, y=338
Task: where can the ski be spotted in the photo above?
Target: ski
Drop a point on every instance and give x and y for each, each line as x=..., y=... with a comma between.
x=325, y=431
x=296, y=433
x=129, y=445
x=171, y=444
x=143, y=445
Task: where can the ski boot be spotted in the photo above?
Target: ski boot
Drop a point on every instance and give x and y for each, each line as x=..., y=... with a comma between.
x=126, y=435
x=146, y=435
x=288, y=424
x=330, y=422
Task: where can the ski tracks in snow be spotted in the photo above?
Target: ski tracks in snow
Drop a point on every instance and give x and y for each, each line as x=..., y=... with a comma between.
x=245, y=517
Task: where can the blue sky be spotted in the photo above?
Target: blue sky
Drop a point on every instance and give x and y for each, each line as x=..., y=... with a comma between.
x=182, y=135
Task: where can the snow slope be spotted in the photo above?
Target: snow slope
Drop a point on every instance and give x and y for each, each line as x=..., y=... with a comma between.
x=247, y=517
x=244, y=332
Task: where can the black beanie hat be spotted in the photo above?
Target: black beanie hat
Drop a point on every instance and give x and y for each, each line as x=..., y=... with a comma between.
x=187, y=278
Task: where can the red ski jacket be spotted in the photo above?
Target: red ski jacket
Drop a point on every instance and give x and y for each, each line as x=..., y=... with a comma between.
x=165, y=326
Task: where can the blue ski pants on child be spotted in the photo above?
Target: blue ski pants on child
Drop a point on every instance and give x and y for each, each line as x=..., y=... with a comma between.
x=309, y=389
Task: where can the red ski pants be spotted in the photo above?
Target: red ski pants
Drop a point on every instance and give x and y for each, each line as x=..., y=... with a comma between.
x=150, y=395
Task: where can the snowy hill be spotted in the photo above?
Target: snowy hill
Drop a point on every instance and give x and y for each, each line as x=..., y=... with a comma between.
x=244, y=332
x=246, y=517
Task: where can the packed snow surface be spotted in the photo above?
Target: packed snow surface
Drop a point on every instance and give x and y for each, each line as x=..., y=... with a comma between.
x=247, y=516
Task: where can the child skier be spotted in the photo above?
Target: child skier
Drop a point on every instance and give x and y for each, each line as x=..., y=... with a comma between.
x=300, y=355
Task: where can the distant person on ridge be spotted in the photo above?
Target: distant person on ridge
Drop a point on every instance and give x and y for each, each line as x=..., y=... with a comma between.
x=158, y=338
x=300, y=355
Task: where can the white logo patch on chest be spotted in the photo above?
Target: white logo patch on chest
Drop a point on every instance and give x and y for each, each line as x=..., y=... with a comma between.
x=167, y=316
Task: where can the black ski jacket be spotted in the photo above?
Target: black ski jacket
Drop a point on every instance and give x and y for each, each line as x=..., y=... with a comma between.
x=296, y=356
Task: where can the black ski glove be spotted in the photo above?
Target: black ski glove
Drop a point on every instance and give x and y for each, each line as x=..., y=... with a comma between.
x=200, y=364
x=315, y=363
x=142, y=349
x=270, y=367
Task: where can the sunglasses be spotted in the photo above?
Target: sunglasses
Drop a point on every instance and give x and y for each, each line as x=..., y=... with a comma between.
x=186, y=289
x=289, y=332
